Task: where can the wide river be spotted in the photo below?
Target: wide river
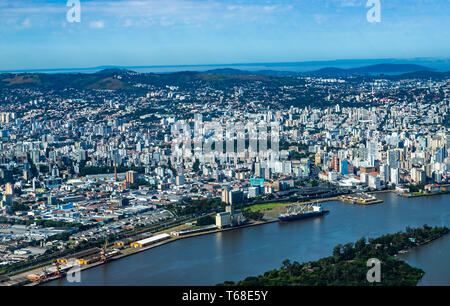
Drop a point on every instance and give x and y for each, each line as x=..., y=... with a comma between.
x=234, y=255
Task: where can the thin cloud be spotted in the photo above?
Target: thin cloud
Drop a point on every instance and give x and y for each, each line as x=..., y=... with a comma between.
x=150, y=12
x=26, y=23
x=350, y=3
x=320, y=18
x=97, y=24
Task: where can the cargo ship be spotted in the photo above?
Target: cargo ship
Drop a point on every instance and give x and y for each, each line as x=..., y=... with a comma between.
x=298, y=212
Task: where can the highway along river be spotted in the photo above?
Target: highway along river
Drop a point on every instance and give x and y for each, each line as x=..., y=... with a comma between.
x=234, y=255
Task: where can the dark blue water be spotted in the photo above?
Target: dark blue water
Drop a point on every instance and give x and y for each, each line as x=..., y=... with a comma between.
x=434, y=259
x=234, y=255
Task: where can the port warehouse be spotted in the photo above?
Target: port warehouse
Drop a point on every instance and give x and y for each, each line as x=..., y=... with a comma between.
x=82, y=257
x=195, y=231
x=8, y=282
x=93, y=254
x=148, y=241
x=90, y=259
x=129, y=240
x=86, y=257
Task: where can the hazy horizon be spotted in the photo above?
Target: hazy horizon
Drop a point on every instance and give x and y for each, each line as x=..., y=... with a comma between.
x=439, y=64
x=40, y=34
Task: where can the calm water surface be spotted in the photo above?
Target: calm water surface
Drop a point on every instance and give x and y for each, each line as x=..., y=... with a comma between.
x=234, y=255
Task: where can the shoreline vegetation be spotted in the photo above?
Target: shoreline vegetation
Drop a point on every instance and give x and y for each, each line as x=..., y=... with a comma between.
x=348, y=264
x=421, y=190
x=423, y=194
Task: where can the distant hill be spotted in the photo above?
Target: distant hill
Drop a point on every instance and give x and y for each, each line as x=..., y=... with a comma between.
x=117, y=79
x=62, y=81
x=122, y=79
x=228, y=71
x=239, y=72
x=370, y=70
x=329, y=71
x=435, y=75
x=113, y=70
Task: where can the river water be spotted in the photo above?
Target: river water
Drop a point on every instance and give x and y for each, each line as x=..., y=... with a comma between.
x=236, y=254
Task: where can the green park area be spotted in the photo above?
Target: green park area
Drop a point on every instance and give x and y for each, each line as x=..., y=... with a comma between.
x=266, y=206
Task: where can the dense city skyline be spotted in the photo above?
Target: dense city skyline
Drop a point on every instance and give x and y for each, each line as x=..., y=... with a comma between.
x=122, y=161
x=295, y=143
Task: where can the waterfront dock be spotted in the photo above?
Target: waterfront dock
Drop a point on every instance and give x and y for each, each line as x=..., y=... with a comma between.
x=240, y=246
x=24, y=281
x=360, y=198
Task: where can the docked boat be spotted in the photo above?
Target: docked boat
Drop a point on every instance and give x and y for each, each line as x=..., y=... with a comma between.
x=298, y=212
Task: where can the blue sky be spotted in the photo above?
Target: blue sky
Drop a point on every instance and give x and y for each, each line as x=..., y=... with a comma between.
x=35, y=34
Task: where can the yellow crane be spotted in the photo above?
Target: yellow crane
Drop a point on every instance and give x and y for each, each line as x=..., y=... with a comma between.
x=103, y=251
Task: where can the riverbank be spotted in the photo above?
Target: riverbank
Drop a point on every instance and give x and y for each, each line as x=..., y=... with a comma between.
x=419, y=257
x=381, y=191
x=423, y=194
x=348, y=264
x=132, y=251
x=270, y=216
x=268, y=206
x=264, y=207
x=233, y=255
x=173, y=239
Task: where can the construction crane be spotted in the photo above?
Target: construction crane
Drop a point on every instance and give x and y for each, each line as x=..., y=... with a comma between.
x=45, y=275
x=103, y=251
x=58, y=270
x=39, y=277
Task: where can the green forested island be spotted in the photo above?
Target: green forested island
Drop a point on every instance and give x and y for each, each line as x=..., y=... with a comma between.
x=348, y=264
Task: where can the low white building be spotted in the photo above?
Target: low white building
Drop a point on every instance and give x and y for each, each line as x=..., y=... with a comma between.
x=223, y=219
x=374, y=182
